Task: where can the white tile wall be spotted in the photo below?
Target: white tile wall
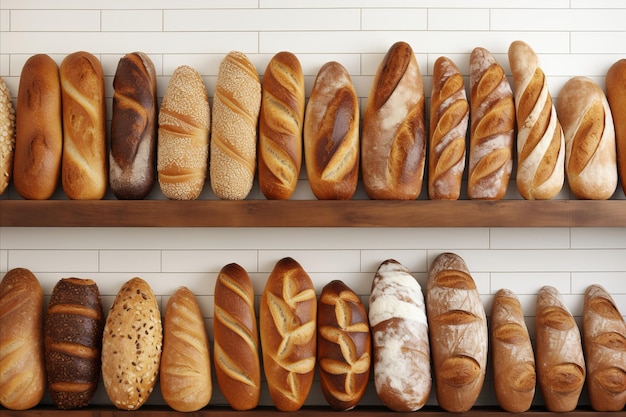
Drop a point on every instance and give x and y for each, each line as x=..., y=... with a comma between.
x=572, y=37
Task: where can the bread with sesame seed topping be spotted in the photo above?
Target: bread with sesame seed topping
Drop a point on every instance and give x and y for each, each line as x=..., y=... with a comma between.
x=7, y=136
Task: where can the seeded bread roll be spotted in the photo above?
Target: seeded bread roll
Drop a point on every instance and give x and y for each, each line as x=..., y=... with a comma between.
x=73, y=342
x=604, y=336
x=616, y=95
x=236, y=107
x=131, y=345
x=22, y=364
x=559, y=352
x=38, y=129
x=449, y=117
x=183, y=135
x=7, y=136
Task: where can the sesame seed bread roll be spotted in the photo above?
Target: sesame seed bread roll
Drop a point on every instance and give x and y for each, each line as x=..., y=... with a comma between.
x=616, y=95
x=7, y=136
x=236, y=107
x=449, y=118
x=183, y=135
x=540, y=142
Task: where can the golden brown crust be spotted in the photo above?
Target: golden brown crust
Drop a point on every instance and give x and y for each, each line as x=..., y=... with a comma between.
x=7, y=136
x=616, y=95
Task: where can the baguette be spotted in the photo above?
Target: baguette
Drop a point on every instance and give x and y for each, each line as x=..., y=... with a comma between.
x=393, y=148
x=492, y=132
x=449, y=117
x=7, y=136
x=616, y=95
x=540, y=141
x=331, y=134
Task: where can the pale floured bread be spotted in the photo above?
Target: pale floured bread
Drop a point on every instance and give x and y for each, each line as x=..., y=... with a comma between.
x=7, y=136
x=449, y=118
x=492, y=133
x=280, y=126
x=183, y=135
x=236, y=106
x=616, y=94
x=590, y=155
x=540, y=142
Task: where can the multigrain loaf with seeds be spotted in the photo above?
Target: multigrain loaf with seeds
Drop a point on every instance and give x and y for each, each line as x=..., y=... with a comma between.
x=7, y=136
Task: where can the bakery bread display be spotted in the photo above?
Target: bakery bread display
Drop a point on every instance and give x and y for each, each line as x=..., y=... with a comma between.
x=132, y=345
x=616, y=95
x=393, y=143
x=236, y=338
x=287, y=322
x=331, y=134
x=540, y=142
x=604, y=341
x=558, y=352
x=449, y=118
x=84, y=169
x=185, y=369
x=344, y=348
x=458, y=333
x=397, y=317
x=183, y=135
x=236, y=106
x=38, y=129
x=513, y=359
x=132, y=161
x=492, y=131
x=281, y=121
x=22, y=364
x=7, y=136
x=73, y=342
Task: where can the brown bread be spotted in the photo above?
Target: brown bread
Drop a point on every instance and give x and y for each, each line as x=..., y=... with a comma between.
x=7, y=136
x=616, y=95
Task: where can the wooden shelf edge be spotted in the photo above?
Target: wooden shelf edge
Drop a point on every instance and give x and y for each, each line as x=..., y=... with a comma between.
x=312, y=213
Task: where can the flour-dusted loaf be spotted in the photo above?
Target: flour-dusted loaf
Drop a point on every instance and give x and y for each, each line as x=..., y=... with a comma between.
x=513, y=359
x=604, y=341
x=458, y=333
x=397, y=317
x=132, y=343
x=287, y=321
x=22, y=364
x=236, y=107
x=616, y=95
x=185, y=368
x=393, y=143
x=281, y=121
x=84, y=169
x=73, y=342
x=183, y=135
x=331, y=134
x=540, y=142
x=38, y=129
x=344, y=347
x=492, y=132
x=558, y=352
x=236, y=338
x=132, y=161
x=7, y=136
x=449, y=118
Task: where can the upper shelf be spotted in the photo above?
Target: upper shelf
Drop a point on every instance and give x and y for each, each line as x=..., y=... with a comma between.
x=313, y=213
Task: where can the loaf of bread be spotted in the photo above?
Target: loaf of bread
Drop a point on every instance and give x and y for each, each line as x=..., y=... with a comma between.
x=344, y=347
x=236, y=106
x=604, y=337
x=393, y=148
x=287, y=321
x=458, y=333
x=616, y=95
x=38, y=129
x=280, y=126
x=492, y=132
x=73, y=342
x=22, y=364
x=183, y=135
x=132, y=161
x=132, y=345
x=540, y=142
x=449, y=118
x=7, y=136
x=513, y=359
x=84, y=170
x=559, y=352
x=185, y=370
x=397, y=317
x=331, y=134
x=236, y=338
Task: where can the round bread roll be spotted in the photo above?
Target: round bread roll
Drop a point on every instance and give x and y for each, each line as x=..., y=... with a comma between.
x=7, y=136
x=616, y=95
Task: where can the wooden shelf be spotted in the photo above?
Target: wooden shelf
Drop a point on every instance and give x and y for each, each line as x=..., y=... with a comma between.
x=312, y=213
